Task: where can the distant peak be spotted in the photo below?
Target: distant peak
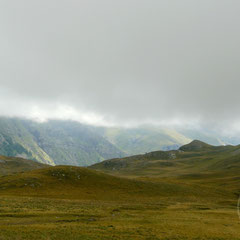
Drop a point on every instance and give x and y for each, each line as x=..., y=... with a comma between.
x=198, y=142
x=195, y=145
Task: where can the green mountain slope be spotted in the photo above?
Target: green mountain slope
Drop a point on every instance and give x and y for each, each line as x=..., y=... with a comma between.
x=17, y=141
x=73, y=143
x=54, y=142
x=144, y=139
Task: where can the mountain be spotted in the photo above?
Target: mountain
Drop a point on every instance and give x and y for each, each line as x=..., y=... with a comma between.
x=54, y=142
x=143, y=139
x=179, y=194
x=196, y=145
x=72, y=143
x=194, y=158
x=17, y=141
x=208, y=135
x=150, y=138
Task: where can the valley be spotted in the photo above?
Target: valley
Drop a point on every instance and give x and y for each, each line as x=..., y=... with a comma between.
x=119, y=120
x=62, y=142
x=190, y=193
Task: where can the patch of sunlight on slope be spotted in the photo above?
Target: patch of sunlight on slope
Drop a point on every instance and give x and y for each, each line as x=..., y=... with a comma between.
x=177, y=136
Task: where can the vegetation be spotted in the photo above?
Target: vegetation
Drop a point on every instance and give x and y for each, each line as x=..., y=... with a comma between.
x=144, y=139
x=44, y=218
x=10, y=165
x=54, y=142
x=184, y=194
x=71, y=143
x=191, y=159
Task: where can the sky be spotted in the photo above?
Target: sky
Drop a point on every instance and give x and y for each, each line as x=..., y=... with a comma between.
x=125, y=62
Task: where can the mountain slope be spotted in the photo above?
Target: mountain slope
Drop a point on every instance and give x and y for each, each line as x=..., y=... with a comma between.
x=64, y=202
x=179, y=194
x=75, y=182
x=17, y=141
x=196, y=145
x=10, y=165
x=72, y=143
x=144, y=139
x=54, y=142
x=70, y=182
x=194, y=158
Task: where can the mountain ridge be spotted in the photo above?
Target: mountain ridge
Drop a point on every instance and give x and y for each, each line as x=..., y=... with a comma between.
x=72, y=143
x=54, y=142
x=193, y=158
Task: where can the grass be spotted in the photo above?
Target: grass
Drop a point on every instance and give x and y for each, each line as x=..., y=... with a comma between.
x=57, y=204
x=10, y=165
x=158, y=196
x=43, y=218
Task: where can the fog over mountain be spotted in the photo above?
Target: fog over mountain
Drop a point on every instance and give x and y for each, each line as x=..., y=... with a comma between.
x=124, y=63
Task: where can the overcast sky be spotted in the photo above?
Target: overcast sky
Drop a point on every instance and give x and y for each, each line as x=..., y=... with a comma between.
x=121, y=61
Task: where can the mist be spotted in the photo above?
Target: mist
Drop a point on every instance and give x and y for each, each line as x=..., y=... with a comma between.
x=122, y=63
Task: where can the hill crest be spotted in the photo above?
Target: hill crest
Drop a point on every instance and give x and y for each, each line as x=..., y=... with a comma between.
x=196, y=145
x=193, y=158
x=10, y=165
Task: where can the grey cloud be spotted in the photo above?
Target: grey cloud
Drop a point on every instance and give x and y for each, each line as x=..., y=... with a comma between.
x=128, y=61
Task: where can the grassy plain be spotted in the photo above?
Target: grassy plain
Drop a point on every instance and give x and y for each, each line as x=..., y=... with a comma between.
x=44, y=218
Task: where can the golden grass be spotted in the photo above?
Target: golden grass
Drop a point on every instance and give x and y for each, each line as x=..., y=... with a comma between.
x=42, y=218
x=157, y=196
x=66, y=202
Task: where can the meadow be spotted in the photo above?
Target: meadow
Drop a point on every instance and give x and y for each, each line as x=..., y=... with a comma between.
x=192, y=195
x=44, y=218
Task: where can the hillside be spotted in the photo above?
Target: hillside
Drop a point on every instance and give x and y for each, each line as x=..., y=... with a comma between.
x=11, y=165
x=81, y=183
x=194, y=158
x=68, y=182
x=72, y=143
x=196, y=145
x=17, y=141
x=144, y=139
x=54, y=142
x=149, y=138
x=179, y=194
